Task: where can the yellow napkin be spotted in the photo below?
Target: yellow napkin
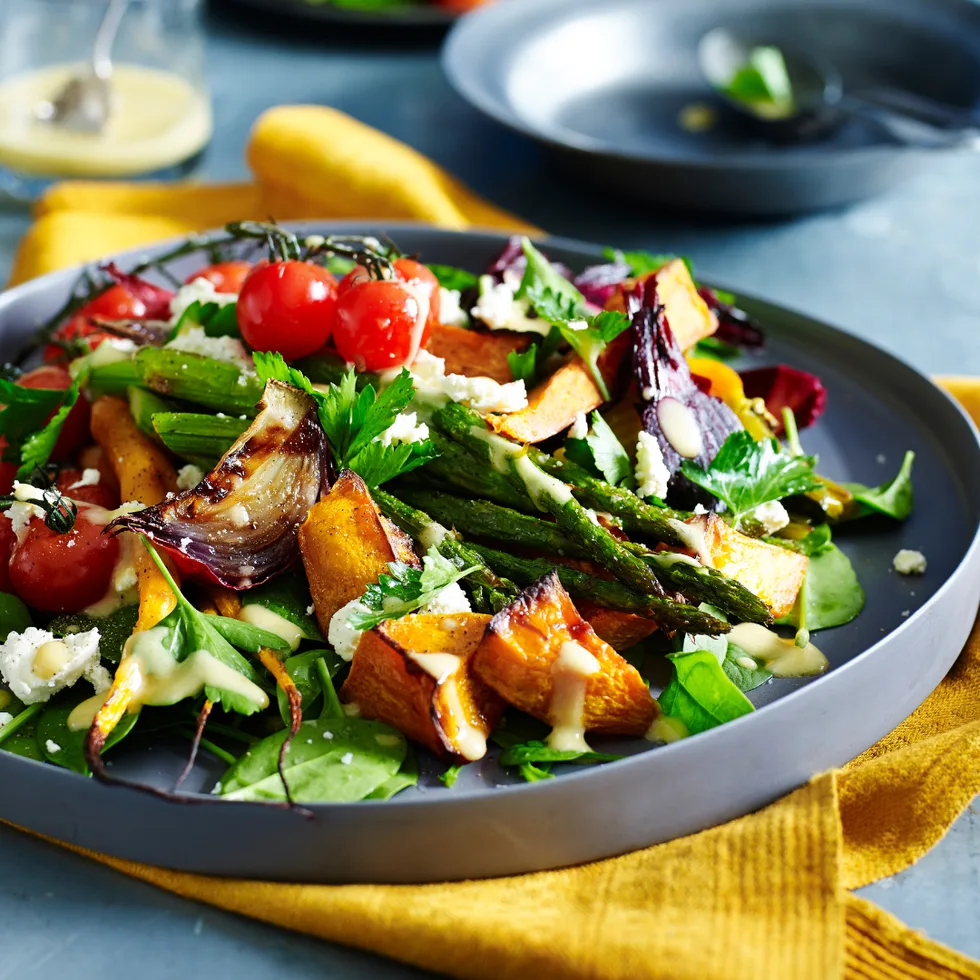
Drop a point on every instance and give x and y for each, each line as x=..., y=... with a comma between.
x=766, y=896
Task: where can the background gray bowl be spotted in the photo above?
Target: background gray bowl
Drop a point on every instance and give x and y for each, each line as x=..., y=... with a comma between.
x=883, y=665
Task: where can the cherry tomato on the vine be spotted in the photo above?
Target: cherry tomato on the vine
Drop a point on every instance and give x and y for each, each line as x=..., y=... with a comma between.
x=116, y=303
x=226, y=277
x=287, y=307
x=63, y=573
x=75, y=431
x=376, y=325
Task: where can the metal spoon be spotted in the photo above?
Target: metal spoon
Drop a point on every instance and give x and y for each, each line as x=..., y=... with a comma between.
x=85, y=102
x=820, y=104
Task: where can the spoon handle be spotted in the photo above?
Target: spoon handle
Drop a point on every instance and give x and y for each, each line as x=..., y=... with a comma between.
x=102, y=49
x=910, y=129
x=921, y=108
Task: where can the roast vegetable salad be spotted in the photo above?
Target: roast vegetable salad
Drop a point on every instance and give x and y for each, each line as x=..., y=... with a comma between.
x=322, y=505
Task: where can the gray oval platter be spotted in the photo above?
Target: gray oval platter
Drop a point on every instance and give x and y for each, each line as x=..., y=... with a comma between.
x=883, y=665
x=603, y=83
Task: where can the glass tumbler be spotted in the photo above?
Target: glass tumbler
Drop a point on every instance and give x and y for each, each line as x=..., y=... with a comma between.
x=159, y=119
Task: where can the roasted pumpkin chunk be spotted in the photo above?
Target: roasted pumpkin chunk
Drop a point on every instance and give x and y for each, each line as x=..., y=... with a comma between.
x=525, y=652
x=476, y=353
x=415, y=674
x=774, y=574
x=553, y=405
x=621, y=630
x=346, y=543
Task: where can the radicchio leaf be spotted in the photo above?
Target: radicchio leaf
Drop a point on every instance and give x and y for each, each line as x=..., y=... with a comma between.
x=155, y=298
x=238, y=527
x=598, y=283
x=782, y=387
x=735, y=326
x=512, y=259
x=688, y=423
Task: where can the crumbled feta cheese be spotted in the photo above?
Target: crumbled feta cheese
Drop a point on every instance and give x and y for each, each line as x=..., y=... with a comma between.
x=352, y=709
x=652, y=475
x=90, y=478
x=499, y=310
x=314, y=241
x=580, y=427
x=328, y=735
x=483, y=395
x=52, y=746
x=340, y=634
x=189, y=476
x=449, y=309
x=881, y=459
x=592, y=516
x=451, y=599
x=700, y=510
x=199, y=291
x=347, y=758
x=310, y=609
x=404, y=429
x=5, y=716
x=195, y=341
x=771, y=515
x=23, y=511
x=79, y=658
x=908, y=562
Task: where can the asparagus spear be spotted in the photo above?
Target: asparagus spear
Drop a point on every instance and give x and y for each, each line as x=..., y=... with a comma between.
x=483, y=519
x=218, y=385
x=671, y=615
x=548, y=494
x=200, y=436
x=490, y=591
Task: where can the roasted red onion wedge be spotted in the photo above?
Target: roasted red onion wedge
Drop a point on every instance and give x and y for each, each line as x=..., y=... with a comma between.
x=238, y=526
x=687, y=422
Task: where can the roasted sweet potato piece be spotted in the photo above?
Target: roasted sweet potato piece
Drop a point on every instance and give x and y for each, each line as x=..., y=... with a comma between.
x=414, y=673
x=774, y=574
x=346, y=544
x=621, y=630
x=553, y=404
x=519, y=658
x=476, y=353
x=687, y=313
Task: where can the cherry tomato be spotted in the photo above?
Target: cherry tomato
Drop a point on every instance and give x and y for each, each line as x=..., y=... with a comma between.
x=8, y=471
x=376, y=320
x=287, y=307
x=226, y=277
x=116, y=303
x=7, y=541
x=75, y=432
x=63, y=573
x=102, y=494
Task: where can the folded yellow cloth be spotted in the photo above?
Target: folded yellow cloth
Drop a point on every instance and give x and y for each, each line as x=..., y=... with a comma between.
x=766, y=896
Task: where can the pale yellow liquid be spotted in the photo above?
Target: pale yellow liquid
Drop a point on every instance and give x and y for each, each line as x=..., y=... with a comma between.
x=158, y=120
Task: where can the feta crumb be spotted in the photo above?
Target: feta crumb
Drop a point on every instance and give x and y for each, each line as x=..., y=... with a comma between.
x=652, y=475
x=451, y=599
x=580, y=427
x=908, y=562
x=771, y=515
x=700, y=510
x=347, y=758
x=5, y=716
x=906, y=613
x=405, y=430
x=449, y=309
x=90, y=478
x=52, y=746
x=23, y=511
x=17, y=653
x=500, y=310
x=195, y=341
x=484, y=395
x=352, y=709
x=340, y=634
x=310, y=609
x=189, y=476
x=881, y=459
x=328, y=736
x=202, y=291
x=184, y=542
x=592, y=516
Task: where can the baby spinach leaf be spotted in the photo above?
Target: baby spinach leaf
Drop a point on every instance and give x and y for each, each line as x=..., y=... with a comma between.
x=245, y=636
x=216, y=319
x=831, y=594
x=452, y=278
x=36, y=449
x=303, y=670
x=700, y=694
x=745, y=678
x=24, y=413
x=449, y=777
x=537, y=752
x=407, y=776
x=746, y=473
x=65, y=747
x=24, y=743
x=641, y=262
x=331, y=760
x=15, y=617
x=114, y=629
x=894, y=497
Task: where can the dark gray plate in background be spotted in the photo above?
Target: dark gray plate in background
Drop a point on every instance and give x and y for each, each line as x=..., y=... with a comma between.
x=602, y=82
x=884, y=664
x=422, y=16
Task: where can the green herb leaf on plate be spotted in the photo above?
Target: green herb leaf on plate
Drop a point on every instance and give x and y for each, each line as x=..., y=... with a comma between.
x=303, y=670
x=601, y=452
x=452, y=278
x=641, y=262
x=36, y=449
x=535, y=753
x=700, y=694
x=894, y=497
